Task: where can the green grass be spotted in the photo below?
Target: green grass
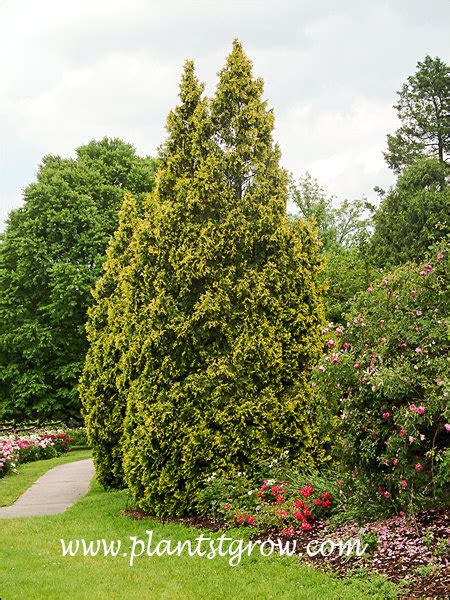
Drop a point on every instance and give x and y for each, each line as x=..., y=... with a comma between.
x=33, y=566
x=13, y=485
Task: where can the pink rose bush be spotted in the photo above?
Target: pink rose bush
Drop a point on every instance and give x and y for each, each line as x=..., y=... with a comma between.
x=17, y=449
x=389, y=377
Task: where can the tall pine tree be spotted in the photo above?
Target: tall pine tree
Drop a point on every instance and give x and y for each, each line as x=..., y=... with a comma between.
x=229, y=321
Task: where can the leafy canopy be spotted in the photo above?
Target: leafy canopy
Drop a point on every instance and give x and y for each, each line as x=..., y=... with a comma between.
x=50, y=257
x=344, y=231
x=413, y=215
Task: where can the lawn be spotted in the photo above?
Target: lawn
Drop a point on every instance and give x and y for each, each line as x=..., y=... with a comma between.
x=12, y=486
x=33, y=566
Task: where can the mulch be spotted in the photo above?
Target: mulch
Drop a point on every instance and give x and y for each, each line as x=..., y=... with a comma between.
x=403, y=546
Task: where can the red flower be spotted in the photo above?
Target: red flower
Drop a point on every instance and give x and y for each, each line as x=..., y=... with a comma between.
x=306, y=491
x=300, y=516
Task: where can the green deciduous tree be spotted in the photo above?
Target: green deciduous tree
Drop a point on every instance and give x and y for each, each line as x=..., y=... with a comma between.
x=343, y=230
x=424, y=111
x=339, y=226
x=412, y=215
x=231, y=308
x=50, y=257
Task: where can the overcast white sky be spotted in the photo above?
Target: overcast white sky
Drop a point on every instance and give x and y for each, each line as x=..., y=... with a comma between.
x=76, y=70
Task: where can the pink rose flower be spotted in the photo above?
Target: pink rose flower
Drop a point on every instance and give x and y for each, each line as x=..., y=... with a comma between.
x=447, y=427
x=412, y=407
x=439, y=256
x=386, y=415
x=346, y=345
x=413, y=293
x=402, y=432
x=357, y=365
x=418, y=467
x=395, y=462
x=403, y=345
x=369, y=290
x=331, y=344
x=421, y=410
x=403, y=483
x=410, y=439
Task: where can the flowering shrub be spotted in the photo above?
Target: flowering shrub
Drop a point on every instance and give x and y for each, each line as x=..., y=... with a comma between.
x=18, y=449
x=275, y=503
x=386, y=373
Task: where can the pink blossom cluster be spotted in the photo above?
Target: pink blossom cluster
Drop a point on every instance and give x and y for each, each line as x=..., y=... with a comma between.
x=12, y=445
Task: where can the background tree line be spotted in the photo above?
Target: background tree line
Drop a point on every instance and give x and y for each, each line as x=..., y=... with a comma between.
x=53, y=249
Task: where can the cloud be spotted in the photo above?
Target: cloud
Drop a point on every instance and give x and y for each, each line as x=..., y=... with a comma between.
x=73, y=71
x=341, y=148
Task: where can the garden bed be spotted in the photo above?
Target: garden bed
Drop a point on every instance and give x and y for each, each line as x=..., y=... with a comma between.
x=413, y=553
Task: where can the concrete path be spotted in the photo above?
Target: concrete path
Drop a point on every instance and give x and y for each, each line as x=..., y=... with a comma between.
x=55, y=491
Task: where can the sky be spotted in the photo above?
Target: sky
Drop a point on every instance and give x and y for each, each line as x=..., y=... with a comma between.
x=72, y=71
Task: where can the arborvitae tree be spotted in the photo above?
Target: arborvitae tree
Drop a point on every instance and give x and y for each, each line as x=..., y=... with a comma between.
x=112, y=360
x=231, y=308
x=104, y=382
x=51, y=255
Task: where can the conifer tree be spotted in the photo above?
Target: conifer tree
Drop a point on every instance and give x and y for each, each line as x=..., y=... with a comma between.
x=104, y=382
x=231, y=306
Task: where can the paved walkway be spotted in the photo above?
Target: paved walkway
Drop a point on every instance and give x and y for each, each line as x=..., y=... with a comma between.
x=55, y=491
